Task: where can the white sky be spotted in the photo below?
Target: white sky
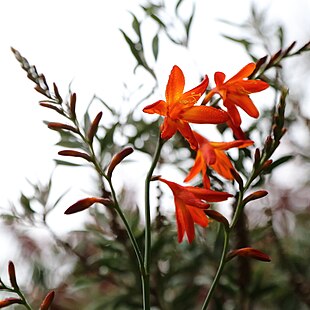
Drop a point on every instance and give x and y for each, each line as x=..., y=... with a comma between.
x=79, y=41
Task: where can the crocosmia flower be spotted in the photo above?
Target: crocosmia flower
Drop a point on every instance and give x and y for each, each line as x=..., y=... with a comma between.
x=179, y=110
x=190, y=203
x=211, y=154
x=236, y=91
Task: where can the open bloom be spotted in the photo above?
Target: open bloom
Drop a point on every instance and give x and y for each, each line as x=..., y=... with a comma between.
x=211, y=154
x=235, y=92
x=179, y=110
x=190, y=202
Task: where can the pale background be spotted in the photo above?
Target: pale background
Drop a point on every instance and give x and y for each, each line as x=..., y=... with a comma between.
x=80, y=42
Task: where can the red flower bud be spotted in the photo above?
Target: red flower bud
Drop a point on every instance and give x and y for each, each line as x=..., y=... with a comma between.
x=59, y=126
x=254, y=196
x=10, y=301
x=249, y=252
x=47, y=301
x=74, y=154
x=12, y=275
x=94, y=127
x=72, y=104
x=50, y=106
x=217, y=217
x=117, y=158
x=86, y=203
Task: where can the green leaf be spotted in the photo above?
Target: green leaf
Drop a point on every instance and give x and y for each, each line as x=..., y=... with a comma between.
x=66, y=163
x=155, y=46
x=279, y=162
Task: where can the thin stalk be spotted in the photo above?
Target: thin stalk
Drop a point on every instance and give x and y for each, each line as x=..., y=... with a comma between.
x=147, y=250
x=219, y=270
x=128, y=229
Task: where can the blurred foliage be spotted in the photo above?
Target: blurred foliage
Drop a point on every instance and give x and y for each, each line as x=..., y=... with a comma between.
x=102, y=272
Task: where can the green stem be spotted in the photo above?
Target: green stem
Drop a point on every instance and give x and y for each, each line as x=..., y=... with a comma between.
x=219, y=270
x=147, y=251
x=128, y=229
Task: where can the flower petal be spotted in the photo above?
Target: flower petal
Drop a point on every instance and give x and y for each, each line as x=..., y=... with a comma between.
x=186, y=131
x=168, y=128
x=233, y=113
x=228, y=145
x=208, y=194
x=198, y=216
x=243, y=73
x=223, y=165
x=159, y=107
x=184, y=221
x=253, y=86
x=204, y=115
x=175, y=85
x=197, y=167
x=246, y=104
x=190, y=97
x=219, y=78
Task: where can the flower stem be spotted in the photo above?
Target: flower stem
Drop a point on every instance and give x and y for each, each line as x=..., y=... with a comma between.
x=147, y=250
x=219, y=270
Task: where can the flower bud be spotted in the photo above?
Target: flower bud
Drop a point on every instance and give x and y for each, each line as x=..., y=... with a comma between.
x=249, y=252
x=94, y=127
x=254, y=196
x=72, y=105
x=12, y=275
x=10, y=301
x=47, y=301
x=50, y=106
x=86, y=203
x=60, y=126
x=237, y=177
x=117, y=158
x=217, y=217
x=74, y=154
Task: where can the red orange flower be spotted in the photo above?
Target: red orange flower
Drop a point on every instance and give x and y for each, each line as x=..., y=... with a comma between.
x=235, y=92
x=211, y=154
x=179, y=109
x=190, y=202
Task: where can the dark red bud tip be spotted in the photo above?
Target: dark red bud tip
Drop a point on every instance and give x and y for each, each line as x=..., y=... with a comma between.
x=237, y=177
x=12, y=275
x=255, y=195
x=73, y=104
x=10, y=301
x=249, y=252
x=86, y=203
x=47, y=301
x=117, y=158
x=217, y=217
x=74, y=154
x=50, y=106
x=60, y=126
x=94, y=127
x=266, y=164
x=155, y=178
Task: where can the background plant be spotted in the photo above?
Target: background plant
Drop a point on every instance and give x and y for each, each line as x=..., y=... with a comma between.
x=94, y=254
